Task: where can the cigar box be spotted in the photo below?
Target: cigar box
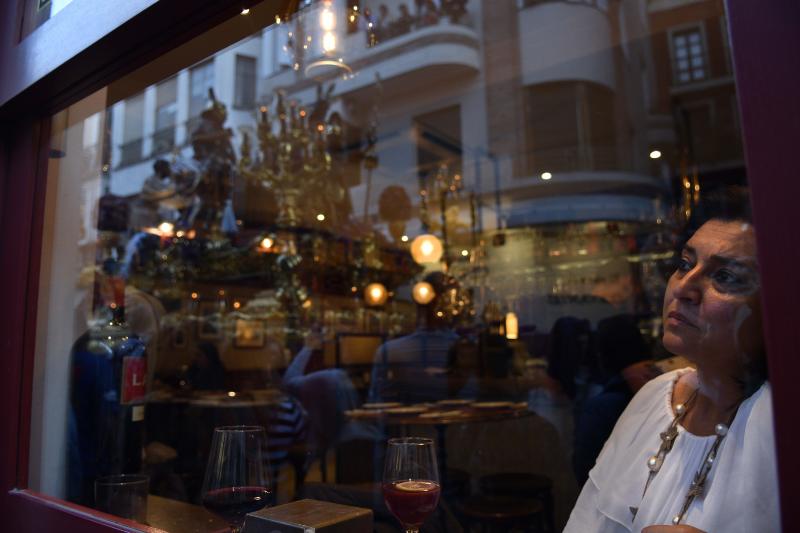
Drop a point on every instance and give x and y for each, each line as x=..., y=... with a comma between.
x=309, y=516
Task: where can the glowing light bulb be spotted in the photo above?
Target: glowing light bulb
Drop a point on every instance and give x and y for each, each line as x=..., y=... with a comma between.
x=404, y=238
x=320, y=217
x=329, y=42
x=327, y=20
x=375, y=294
x=166, y=228
x=655, y=154
x=464, y=253
x=546, y=176
x=426, y=249
x=423, y=293
x=245, y=11
x=512, y=326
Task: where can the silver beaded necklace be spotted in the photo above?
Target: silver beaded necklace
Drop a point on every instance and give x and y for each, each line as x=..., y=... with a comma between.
x=654, y=463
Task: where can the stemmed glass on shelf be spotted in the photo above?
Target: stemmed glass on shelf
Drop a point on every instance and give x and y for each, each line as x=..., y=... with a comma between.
x=411, y=481
x=237, y=476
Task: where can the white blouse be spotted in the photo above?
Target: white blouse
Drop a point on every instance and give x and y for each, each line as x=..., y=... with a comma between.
x=741, y=489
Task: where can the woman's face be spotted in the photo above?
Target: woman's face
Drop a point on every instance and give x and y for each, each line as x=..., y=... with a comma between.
x=712, y=306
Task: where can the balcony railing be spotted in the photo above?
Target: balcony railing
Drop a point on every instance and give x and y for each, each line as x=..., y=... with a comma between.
x=383, y=26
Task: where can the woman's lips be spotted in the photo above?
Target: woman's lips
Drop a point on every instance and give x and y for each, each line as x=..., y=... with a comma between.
x=675, y=318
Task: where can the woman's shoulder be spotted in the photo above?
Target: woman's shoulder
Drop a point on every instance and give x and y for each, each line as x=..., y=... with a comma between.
x=661, y=385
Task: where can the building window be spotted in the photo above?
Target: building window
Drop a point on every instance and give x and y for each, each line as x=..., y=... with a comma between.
x=201, y=79
x=570, y=127
x=132, y=131
x=166, y=113
x=245, y=96
x=689, y=56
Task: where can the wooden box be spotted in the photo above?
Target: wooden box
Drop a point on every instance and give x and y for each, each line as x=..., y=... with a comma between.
x=309, y=516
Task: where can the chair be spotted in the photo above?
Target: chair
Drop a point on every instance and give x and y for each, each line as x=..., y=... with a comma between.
x=502, y=513
x=522, y=485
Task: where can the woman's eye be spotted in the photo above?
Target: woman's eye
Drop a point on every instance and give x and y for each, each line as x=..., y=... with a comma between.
x=684, y=265
x=726, y=277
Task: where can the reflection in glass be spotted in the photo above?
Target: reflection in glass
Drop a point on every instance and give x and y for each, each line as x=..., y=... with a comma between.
x=470, y=209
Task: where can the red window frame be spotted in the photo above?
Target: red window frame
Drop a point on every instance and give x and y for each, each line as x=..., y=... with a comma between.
x=763, y=35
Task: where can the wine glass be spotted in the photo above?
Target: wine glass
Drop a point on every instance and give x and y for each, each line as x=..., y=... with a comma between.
x=237, y=476
x=411, y=481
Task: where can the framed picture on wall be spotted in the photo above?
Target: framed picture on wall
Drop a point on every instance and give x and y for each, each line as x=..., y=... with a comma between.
x=249, y=334
x=208, y=321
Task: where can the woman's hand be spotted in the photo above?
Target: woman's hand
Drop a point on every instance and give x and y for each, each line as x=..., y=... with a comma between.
x=672, y=529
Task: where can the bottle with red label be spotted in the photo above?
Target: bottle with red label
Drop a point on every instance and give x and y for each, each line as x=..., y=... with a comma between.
x=106, y=419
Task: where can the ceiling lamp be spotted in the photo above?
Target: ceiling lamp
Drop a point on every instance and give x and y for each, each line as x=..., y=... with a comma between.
x=375, y=294
x=329, y=37
x=423, y=293
x=512, y=326
x=426, y=249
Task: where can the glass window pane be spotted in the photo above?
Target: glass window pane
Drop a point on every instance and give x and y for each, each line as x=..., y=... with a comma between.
x=409, y=218
x=245, y=82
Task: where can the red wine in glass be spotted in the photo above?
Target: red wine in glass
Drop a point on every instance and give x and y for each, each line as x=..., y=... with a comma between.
x=237, y=476
x=412, y=501
x=411, y=481
x=233, y=503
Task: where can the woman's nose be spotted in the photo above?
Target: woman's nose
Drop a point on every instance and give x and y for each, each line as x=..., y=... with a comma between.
x=688, y=287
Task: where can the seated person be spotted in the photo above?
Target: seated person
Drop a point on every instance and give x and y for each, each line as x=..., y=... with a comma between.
x=421, y=357
x=695, y=449
x=620, y=347
x=206, y=371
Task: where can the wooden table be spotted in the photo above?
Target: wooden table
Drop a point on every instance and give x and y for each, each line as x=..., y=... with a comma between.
x=467, y=414
x=180, y=517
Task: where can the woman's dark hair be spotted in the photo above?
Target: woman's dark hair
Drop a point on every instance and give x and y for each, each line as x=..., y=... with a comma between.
x=619, y=343
x=729, y=204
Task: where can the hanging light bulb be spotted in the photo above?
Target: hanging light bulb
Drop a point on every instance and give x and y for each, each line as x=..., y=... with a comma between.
x=266, y=244
x=426, y=249
x=512, y=326
x=327, y=20
x=375, y=294
x=166, y=228
x=423, y=293
x=329, y=42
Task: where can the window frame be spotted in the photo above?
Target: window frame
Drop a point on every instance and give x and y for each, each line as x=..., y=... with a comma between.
x=686, y=28
x=759, y=40
x=237, y=86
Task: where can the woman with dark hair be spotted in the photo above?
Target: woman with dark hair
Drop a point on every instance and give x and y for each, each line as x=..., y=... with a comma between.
x=207, y=371
x=620, y=347
x=694, y=450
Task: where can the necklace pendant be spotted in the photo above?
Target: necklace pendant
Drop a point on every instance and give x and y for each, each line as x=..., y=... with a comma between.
x=668, y=438
x=697, y=489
